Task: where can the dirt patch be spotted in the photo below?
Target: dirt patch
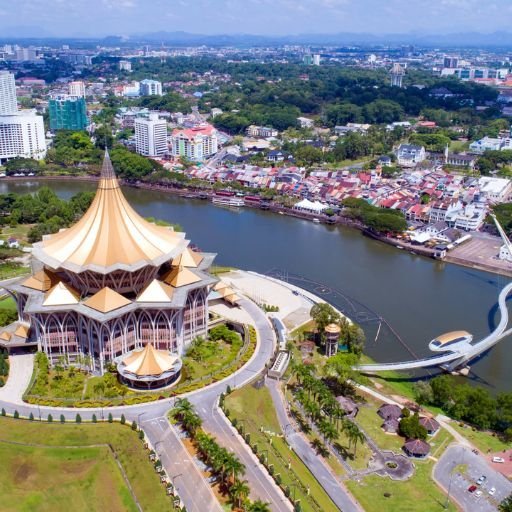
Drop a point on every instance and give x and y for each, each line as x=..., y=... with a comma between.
x=23, y=472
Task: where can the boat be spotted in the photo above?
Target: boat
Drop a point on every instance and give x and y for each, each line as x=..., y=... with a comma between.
x=316, y=221
x=228, y=201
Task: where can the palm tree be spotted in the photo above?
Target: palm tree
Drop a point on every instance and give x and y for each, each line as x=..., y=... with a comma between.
x=181, y=407
x=239, y=492
x=328, y=431
x=312, y=410
x=258, y=506
x=191, y=421
x=357, y=436
x=233, y=466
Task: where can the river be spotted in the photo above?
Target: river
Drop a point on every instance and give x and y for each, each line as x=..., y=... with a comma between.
x=418, y=297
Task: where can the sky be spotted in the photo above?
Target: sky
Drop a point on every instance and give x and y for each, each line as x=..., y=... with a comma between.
x=266, y=17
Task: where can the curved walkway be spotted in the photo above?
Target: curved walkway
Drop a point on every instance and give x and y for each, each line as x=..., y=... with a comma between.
x=456, y=359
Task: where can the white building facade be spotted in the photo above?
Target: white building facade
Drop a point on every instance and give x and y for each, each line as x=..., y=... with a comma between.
x=151, y=136
x=150, y=88
x=77, y=89
x=22, y=135
x=8, y=102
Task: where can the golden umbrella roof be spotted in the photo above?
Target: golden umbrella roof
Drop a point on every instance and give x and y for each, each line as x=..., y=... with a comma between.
x=106, y=300
x=111, y=235
x=149, y=361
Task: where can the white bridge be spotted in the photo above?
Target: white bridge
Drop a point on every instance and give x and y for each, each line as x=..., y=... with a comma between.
x=460, y=353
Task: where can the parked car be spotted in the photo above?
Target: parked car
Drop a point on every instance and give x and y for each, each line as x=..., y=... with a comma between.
x=472, y=488
x=478, y=493
x=498, y=460
x=481, y=480
x=492, y=491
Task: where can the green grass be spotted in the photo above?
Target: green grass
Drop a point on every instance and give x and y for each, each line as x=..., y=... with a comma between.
x=459, y=145
x=212, y=361
x=10, y=269
x=255, y=408
x=20, y=232
x=484, y=441
x=371, y=422
x=80, y=477
x=8, y=303
x=418, y=494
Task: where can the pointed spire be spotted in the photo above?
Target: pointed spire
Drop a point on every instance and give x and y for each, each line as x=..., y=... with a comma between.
x=107, y=170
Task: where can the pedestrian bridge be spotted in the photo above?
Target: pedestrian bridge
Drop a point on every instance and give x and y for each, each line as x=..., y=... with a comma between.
x=460, y=355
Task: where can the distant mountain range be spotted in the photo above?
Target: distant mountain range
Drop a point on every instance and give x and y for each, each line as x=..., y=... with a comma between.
x=463, y=39
x=342, y=38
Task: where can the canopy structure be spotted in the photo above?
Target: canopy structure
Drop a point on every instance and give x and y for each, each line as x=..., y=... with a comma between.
x=111, y=235
x=310, y=206
x=149, y=368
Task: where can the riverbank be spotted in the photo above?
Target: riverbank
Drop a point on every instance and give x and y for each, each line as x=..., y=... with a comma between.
x=282, y=210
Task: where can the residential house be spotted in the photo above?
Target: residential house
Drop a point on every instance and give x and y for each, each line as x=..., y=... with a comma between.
x=408, y=155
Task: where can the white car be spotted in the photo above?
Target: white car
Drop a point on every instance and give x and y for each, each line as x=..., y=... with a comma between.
x=499, y=460
x=478, y=494
x=492, y=491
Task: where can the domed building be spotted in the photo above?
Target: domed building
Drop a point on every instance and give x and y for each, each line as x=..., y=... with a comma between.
x=113, y=283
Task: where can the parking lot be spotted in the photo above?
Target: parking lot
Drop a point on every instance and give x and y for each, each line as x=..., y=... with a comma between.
x=463, y=468
x=482, y=249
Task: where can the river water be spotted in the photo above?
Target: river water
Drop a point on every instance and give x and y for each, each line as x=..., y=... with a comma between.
x=417, y=297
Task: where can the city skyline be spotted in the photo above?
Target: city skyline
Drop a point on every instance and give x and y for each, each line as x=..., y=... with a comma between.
x=258, y=17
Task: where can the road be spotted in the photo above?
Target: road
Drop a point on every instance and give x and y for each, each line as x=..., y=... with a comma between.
x=188, y=480
x=205, y=400
x=303, y=449
x=475, y=466
x=262, y=486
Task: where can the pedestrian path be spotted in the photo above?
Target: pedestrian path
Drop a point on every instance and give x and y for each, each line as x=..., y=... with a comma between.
x=20, y=374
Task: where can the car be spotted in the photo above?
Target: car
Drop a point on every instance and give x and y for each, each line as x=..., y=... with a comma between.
x=472, y=488
x=481, y=480
x=295, y=292
x=498, y=460
x=478, y=494
x=492, y=491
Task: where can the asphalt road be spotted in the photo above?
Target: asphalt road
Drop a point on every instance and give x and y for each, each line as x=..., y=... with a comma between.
x=476, y=466
x=306, y=453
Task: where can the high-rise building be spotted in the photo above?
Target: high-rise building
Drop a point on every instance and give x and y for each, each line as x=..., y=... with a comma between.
x=150, y=88
x=151, y=136
x=8, y=103
x=316, y=59
x=451, y=62
x=77, y=89
x=396, y=75
x=22, y=136
x=195, y=143
x=125, y=65
x=68, y=113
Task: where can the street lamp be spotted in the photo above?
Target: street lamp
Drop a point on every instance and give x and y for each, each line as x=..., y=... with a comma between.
x=451, y=478
x=39, y=409
x=139, y=416
x=173, y=478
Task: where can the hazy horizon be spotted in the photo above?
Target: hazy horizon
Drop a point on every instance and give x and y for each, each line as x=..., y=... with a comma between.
x=97, y=18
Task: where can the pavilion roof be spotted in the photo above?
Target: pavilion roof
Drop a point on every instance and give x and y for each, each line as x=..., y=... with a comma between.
x=106, y=300
x=149, y=361
x=61, y=295
x=156, y=291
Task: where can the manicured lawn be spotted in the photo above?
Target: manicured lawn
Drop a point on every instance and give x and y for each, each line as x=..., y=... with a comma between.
x=79, y=478
x=19, y=232
x=254, y=407
x=418, y=494
x=224, y=354
x=55, y=479
x=459, y=145
x=484, y=441
x=371, y=423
